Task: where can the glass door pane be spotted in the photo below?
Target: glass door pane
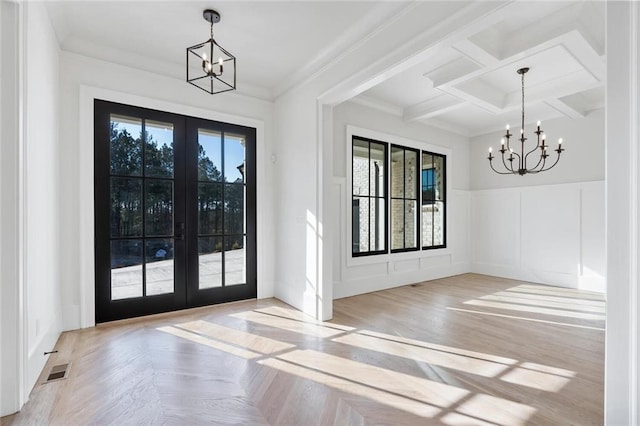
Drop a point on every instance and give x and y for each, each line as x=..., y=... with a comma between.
x=210, y=209
x=221, y=209
x=141, y=174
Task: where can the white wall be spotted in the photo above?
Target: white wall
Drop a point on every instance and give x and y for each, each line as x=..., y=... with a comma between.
x=622, y=359
x=83, y=78
x=362, y=275
x=11, y=336
x=547, y=228
x=42, y=191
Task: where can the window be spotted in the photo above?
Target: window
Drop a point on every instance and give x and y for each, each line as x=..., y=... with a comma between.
x=404, y=198
x=433, y=200
x=405, y=205
x=369, y=197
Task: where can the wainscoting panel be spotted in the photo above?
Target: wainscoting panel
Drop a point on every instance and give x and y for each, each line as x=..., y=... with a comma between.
x=495, y=228
x=552, y=234
x=551, y=230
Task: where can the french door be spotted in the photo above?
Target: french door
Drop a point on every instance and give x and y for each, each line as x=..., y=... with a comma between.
x=175, y=211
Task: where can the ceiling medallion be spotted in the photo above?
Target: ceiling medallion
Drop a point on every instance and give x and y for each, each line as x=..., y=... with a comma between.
x=521, y=168
x=211, y=67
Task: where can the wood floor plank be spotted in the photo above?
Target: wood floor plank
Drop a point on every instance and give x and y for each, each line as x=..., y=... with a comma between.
x=462, y=350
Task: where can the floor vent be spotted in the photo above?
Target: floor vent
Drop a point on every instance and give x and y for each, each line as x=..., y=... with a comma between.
x=58, y=372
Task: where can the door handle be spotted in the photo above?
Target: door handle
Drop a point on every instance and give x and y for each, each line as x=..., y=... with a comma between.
x=179, y=231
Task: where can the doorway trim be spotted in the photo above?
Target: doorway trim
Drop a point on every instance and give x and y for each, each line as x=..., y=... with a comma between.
x=86, y=223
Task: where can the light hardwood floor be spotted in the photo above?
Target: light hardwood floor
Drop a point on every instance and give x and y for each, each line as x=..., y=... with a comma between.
x=469, y=349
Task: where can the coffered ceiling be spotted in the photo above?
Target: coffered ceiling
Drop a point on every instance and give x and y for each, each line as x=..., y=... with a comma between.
x=471, y=86
x=466, y=84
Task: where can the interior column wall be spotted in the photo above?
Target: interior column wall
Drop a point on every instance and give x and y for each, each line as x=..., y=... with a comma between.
x=622, y=362
x=11, y=314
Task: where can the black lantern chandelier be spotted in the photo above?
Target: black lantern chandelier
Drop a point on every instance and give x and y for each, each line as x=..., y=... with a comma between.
x=210, y=67
x=521, y=168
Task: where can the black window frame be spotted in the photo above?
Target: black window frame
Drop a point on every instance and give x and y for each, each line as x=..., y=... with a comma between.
x=384, y=197
x=387, y=198
x=404, y=198
x=435, y=200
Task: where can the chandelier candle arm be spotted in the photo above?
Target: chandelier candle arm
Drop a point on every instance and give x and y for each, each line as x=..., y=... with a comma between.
x=559, y=151
x=491, y=157
x=524, y=154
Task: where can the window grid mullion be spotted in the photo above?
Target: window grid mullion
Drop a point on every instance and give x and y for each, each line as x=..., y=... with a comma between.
x=369, y=197
x=428, y=182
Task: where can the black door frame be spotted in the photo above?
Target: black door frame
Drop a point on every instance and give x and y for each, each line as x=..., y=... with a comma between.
x=186, y=293
x=195, y=296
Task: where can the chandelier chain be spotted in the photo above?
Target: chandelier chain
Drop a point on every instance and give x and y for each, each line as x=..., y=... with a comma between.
x=522, y=75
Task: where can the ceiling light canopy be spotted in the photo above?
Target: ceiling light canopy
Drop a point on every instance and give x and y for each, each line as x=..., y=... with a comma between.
x=521, y=168
x=211, y=67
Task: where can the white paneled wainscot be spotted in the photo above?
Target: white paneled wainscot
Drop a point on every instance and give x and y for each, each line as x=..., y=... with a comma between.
x=549, y=234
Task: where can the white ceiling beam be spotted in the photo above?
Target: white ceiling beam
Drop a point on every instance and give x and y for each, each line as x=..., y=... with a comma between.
x=453, y=70
x=375, y=103
x=480, y=94
x=475, y=53
x=571, y=111
x=431, y=107
x=586, y=54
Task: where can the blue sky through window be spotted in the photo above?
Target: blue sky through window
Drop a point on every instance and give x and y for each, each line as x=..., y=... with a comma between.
x=233, y=153
x=162, y=134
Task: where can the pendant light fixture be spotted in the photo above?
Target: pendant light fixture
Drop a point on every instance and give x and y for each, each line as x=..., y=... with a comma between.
x=521, y=167
x=211, y=67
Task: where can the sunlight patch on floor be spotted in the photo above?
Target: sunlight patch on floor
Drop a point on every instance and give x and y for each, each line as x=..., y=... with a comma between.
x=557, y=291
x=417, y=388
x=525, y=318
x=293, y=314
x=295, y=326
x=535, y=379
x=436, y=357
x=564, y=305
x=496, y=410
x=449, y=349
x=196, y=338
x=543, y=297
x=399, y=402
x=536, y=310
x=250, y=341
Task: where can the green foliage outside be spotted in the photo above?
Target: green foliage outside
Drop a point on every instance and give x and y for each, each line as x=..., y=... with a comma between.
x=127, y=205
